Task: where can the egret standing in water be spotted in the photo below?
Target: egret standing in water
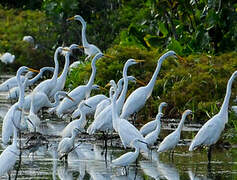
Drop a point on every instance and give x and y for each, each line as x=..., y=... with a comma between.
x=172, y=139
x=151, y=126
x=210, y=132
x=138, y=98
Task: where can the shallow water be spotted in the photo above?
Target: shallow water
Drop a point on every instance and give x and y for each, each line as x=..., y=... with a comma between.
x=87, y=161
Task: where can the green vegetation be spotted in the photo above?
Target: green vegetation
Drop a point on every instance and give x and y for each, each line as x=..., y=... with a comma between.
x=204, y=32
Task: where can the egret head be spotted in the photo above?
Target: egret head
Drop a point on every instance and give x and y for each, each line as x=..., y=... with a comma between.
x=135, y=80
x=235, y=74
x=76, y=17
x=83, y=103
x=64, y=94
x=168, y=54
x=132, y=61
x=97, y=87
x=74, y=46
x=186, y=113
x=163, y=104
x=111, y=83
x=135, y=143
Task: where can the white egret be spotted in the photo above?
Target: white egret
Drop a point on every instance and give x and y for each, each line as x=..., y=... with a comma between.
x=89, y=49
x=170, y=141
x=14, y=113
x=127, y=132
x=7, y=58
x=210, y=132
x=128, y=158
x=151, y=137
x=151, y=126
x=14, y=92
x=66, y=145
x=92, y=102
x=62, y=78
x=48, y=85
x=78, y=93
x=79, y=123
x=29, y=39
x=9, y=156
x=103, y=122
x=12, y=82
x=138, y=98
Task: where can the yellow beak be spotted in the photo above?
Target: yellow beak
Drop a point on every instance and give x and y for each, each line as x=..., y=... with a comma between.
x=33, y=70
x=70, y=98
x=179, y=57
x=81, y=47
x=65, y=49
x=108, y=56
x=71, y=18
x=102, y=88
x=107, y=85
x=140, y=82
x=138, y=61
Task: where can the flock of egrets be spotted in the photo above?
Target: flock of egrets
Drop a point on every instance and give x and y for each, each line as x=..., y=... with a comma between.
x=110, y=113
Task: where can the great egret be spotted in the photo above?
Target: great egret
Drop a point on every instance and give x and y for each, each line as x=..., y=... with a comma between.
x=48, y=85
x=128, y=158
x=78, y=93
x=151, y=137
x=172, y=139
x=29, y=39
x=151, y=126
x=92, y=102
x=127, y=132
x=103, y=121
x=89, y=49
x=14, y=92
x=12, y=82
x=62, y=78
x=210, y=132
x=66, y=145
x=9, y=156
x=7, y=58
x=138, y=98
x=14, y=113
x=79, y=123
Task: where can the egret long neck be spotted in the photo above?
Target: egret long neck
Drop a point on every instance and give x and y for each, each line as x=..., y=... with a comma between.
x=181, y=123
x=56, y=100
x=92, y=77
x=55, y=74
x=65, y=69
x=14, y=136
x=224, y=107
x=115, y=115
x=122, y=96
x=32, y=109
x=83, y=34
x=31, y=81
x=22, y=91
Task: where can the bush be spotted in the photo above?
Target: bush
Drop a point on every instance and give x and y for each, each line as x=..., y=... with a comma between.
x=198, y=83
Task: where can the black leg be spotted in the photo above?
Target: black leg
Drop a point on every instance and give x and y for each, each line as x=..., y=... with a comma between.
x=9, y=175
x=209, y=154
x=106, y=147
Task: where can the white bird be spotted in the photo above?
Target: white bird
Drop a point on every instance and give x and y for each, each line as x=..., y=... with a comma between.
x=128, y=158
x=92, y=102
x=89, y=49
x=66, y=145
x=78, y=123
x=14, y=92
x=29, y=39
x=138, y=98
x=7, y=58
x=74, y=65
x=14, y=113
x=127, y=132
x=103, y=122
x=151, y=126
x=78, y=93
x=62, y=78
x=9, y=156
x=151, y=137
x=170, y=141
x=12, y=82
x=48, y=85
x=210, y=132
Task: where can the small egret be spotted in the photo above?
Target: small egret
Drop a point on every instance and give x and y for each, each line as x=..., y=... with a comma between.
x=14, y=113
x=172, y=139
x=138, y=98
x=7, y=58
x=128, y=158
x=151, y=137
x=29, y=39
x=92, y=102
x=151, y=126
x=62, y=78
x=14, y=92
x=78, y=93
x=9, y=156
x=66, y=145
x=79, y=123
x=210, y=132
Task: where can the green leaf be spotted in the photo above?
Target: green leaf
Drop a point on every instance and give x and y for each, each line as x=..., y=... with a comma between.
x=163, y=29
x=175, y=46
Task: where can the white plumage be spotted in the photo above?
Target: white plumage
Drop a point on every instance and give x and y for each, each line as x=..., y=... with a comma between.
x=7, y=58
x=172, y=139
x=151, y=126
